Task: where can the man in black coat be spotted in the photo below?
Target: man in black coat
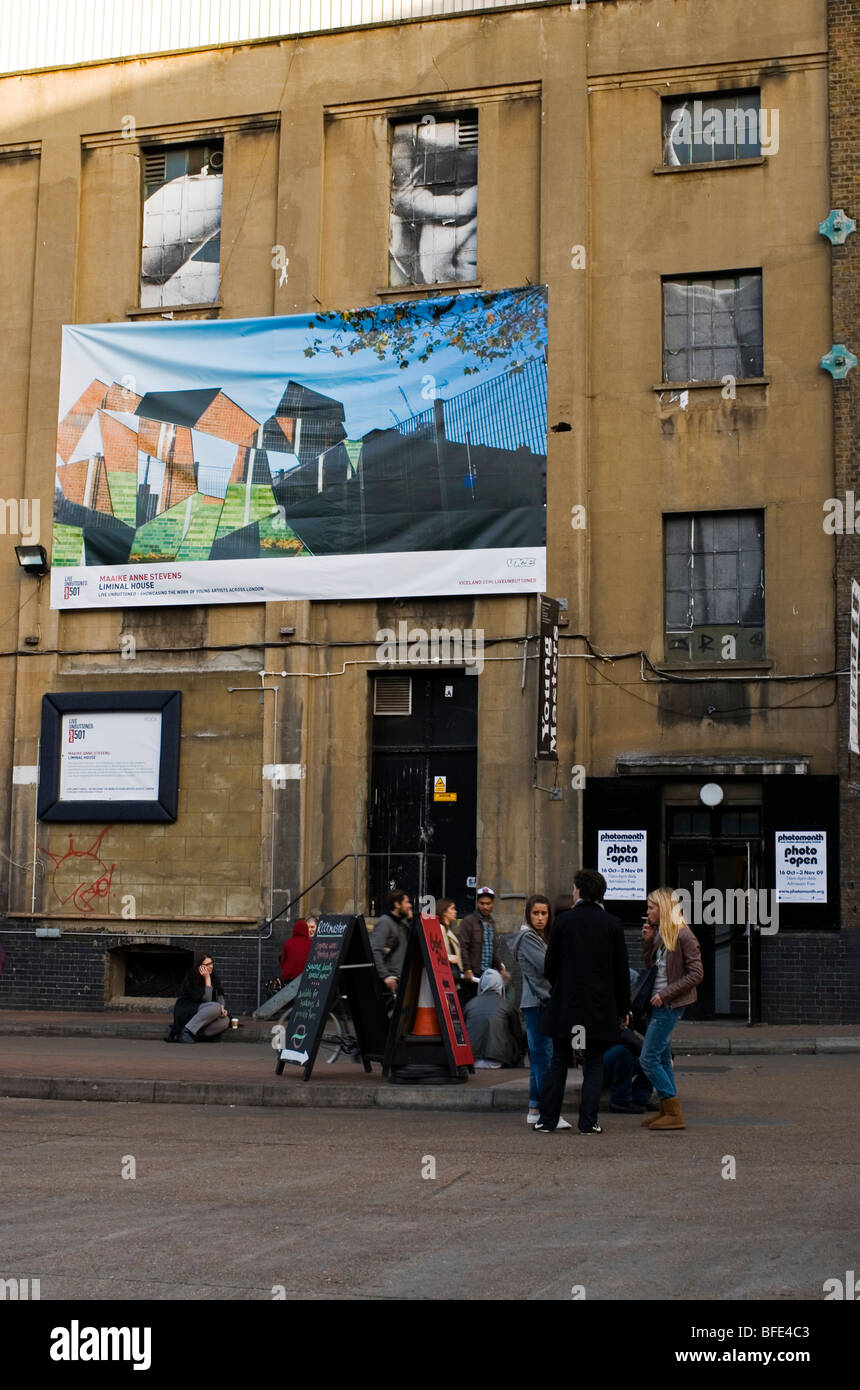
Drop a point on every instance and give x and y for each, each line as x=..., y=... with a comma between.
x=586, y=965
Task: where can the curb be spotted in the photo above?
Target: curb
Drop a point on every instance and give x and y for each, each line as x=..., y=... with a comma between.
x=504, y=1098
x=252, y=1031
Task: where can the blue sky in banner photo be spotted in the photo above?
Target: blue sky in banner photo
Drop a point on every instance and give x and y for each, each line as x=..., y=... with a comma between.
x=252, y=360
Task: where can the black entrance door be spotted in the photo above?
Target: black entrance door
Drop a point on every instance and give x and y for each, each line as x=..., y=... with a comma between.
x=718, y=849
x=423, y=794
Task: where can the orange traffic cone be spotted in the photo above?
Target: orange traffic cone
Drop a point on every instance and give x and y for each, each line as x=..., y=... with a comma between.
x=426, y=1023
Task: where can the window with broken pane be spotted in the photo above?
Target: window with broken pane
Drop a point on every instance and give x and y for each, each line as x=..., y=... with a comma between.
x=433, y=228
x=714, y=570
x=712, y=327
x=711, y=127
x=181, y=249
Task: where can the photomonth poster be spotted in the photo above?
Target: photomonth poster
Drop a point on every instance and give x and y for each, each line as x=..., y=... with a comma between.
x=622, y=859
x=390, y=451
x=801, y=866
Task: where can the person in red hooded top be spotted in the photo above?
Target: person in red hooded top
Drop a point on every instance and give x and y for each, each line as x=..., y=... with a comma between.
x=294, y=952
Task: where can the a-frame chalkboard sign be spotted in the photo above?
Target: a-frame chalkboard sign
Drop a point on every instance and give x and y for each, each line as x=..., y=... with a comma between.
x=445, y=1050
x=339, y=962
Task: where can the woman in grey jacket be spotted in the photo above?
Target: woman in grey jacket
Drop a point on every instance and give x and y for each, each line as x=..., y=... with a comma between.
x=529, y=949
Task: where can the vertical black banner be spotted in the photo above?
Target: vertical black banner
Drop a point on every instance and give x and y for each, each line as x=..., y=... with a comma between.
x=547, y=709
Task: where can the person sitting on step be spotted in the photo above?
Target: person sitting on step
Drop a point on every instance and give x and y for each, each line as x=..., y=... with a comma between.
x=200, y=1013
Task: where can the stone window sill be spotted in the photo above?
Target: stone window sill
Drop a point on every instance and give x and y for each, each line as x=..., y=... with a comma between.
x=717, y=385
x=159, y=309
x=709, y=667
x=415, y=291
x=706, y=168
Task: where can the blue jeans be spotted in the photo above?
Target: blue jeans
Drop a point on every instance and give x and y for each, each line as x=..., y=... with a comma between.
x=540, y=1054
x=623, y=1073
x=656, y=1055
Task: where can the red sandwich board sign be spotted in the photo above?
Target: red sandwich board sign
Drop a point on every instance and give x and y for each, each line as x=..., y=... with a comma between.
x=426, y=953
x=447, y=1000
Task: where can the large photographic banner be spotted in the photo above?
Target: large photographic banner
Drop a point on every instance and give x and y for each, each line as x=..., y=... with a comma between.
x=391, y=451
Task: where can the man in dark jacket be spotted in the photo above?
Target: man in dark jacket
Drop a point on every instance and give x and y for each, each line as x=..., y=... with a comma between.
x=389, y=937
x=477, y=933
x=586, y=965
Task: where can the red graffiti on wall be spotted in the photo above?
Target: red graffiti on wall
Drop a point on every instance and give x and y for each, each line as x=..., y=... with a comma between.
x=80, y=877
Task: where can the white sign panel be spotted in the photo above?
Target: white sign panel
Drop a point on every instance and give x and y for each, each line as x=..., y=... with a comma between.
x=801, y=866
x=110, y=756
x=621, y=860
x=853, y=736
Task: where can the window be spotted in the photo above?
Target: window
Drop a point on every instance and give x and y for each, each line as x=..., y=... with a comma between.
x=712, y=327
x=433, y=237
x=714, y=585
x=732, y=823
x=712, y=127
x=181, y=249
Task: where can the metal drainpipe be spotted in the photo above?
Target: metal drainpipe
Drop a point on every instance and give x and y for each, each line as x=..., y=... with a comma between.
x=36, y=825
x=275, y=690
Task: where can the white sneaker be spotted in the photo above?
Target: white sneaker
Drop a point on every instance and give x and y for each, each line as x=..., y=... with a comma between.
x=562, y=1124
x=532, y=1117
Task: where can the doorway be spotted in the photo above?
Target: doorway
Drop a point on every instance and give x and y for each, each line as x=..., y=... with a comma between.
x=423, y=793
x=722, y=849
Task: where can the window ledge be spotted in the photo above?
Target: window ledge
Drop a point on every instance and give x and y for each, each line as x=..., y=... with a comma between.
x=138, y=312
x=706, y=168
x=717, y=384
x=708, y=667
x=413, y=291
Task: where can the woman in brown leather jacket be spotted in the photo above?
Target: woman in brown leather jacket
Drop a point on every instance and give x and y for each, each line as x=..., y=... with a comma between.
x=668, y=943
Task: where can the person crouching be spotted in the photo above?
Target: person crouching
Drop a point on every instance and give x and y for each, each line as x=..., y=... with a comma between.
x=493, y=1025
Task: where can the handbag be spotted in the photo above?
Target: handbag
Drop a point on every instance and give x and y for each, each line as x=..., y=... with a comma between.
x=640, y=1003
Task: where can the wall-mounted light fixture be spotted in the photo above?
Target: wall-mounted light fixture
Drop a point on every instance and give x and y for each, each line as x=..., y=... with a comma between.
x=33, y=560
x=711, y=794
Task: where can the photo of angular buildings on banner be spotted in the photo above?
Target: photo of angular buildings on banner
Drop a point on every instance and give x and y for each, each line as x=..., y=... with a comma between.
x=341, y=441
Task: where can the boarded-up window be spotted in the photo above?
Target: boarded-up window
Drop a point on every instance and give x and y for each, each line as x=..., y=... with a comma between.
x=712, y=327
x=434, y=200
x=714, y=570
x=180, y=259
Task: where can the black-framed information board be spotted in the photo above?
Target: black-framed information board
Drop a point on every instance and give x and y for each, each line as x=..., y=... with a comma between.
x=110, y=755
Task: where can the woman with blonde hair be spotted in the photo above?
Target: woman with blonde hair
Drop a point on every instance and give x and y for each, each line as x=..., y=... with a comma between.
x=671, y=947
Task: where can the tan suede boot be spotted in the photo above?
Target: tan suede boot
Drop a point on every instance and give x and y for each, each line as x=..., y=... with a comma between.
x=654, y=1116
x=672, y=1117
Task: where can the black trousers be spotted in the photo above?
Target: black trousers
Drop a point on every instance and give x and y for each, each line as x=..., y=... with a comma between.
x=552, y=1095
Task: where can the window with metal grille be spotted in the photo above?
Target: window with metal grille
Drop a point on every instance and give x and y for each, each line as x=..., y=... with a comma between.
x=433, y=230
x=392, y=695
x=181, y=247
x=714, y=570
x=711, y=127
x=712, y=326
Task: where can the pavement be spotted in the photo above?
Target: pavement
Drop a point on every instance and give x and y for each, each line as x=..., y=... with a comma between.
x=753, y=1201
x=121, y=1056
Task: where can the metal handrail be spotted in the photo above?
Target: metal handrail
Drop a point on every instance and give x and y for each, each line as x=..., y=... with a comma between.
x=420, y=855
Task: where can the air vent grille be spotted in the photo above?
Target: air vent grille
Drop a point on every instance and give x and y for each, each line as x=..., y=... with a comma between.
x=392, y=695
x=155, y=168
x=467, y=130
